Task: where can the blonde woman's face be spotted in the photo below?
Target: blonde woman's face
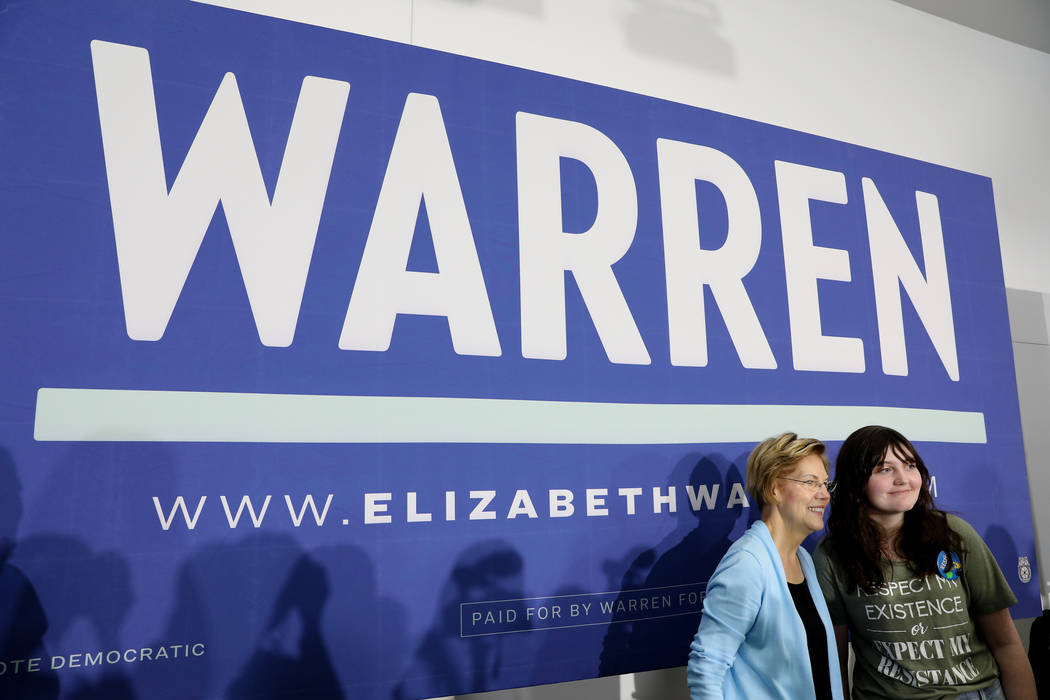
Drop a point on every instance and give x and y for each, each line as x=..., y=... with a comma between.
x=801, y=495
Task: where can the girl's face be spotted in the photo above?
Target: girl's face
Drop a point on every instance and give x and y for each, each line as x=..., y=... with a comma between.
x=894, y=484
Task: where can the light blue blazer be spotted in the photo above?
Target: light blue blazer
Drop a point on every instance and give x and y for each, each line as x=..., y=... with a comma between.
x=751, y=643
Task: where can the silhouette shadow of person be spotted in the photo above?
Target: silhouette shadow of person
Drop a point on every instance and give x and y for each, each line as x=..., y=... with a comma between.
x=688, y=555
x=223, y=597
x=23, y=621
x=103, y=599
x=445, y=663
x=292, y=657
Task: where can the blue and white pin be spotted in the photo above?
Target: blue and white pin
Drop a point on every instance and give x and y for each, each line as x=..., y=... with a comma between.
x=949, y=565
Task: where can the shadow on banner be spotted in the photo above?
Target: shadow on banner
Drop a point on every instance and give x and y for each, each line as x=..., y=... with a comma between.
x=23, y=621
x=446, y=664
x=687, y=555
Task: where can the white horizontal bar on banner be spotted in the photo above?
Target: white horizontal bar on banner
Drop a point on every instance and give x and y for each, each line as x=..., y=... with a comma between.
x=112, y=415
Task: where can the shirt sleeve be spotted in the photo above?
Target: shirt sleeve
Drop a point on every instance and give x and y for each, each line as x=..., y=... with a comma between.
x=731, y=605
x=829, y=585
x=989, y=591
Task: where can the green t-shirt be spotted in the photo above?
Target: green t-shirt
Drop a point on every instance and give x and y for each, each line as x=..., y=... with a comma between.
x=914, y=637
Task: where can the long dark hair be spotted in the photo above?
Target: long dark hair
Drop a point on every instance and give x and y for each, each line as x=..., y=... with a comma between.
x=855, y=539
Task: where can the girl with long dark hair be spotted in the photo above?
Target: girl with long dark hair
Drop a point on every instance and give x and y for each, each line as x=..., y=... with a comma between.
x=925, y=605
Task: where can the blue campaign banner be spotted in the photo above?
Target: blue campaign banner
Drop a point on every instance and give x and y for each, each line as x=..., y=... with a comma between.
x=343, y=368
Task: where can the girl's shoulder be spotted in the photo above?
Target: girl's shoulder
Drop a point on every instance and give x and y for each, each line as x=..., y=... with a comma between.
x=961, y=527
x=825, y=548
x=824, y=555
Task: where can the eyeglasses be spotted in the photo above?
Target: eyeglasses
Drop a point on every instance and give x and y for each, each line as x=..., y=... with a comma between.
x=813, y=484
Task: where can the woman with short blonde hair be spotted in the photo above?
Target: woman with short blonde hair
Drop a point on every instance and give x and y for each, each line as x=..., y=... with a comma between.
x=775, y=457
x=765, y=630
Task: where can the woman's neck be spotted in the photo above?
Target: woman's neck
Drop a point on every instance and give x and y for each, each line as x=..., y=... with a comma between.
x=787, y=541
x=890, y=535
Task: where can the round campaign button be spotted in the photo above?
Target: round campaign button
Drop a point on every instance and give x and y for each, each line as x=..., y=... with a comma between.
x=949, y=565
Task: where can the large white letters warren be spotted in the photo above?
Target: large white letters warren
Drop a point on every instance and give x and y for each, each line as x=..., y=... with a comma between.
x=159, y=232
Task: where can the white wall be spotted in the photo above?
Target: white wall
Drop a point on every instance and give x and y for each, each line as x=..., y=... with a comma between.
x=872, y=72
x=1026, y=22
x=1030, y=329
